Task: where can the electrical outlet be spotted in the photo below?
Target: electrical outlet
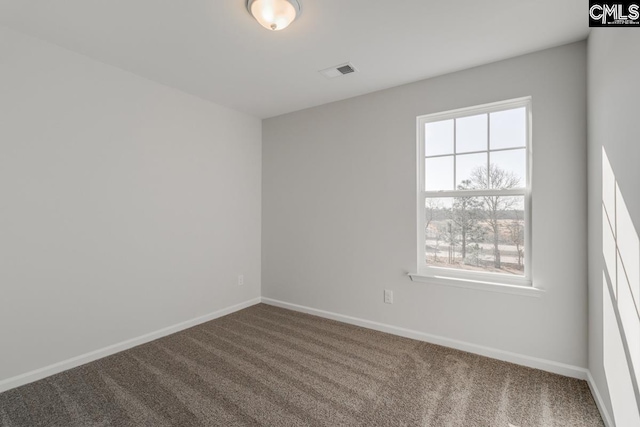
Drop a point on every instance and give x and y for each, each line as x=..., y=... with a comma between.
x=240, y=279
x=388, y=296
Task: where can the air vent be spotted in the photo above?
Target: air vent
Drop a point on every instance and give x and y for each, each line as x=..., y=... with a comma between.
x=346, y=69
x=338, y=70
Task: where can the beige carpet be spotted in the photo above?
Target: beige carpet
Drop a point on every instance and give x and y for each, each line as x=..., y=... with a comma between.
x=265, y=366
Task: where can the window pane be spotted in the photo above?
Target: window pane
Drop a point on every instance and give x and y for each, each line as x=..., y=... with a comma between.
x=508, y=168
x=508, y=128
x=471, y=134
x=438, y=138
x=475, y=233
x=471, y=171
x=439, y=173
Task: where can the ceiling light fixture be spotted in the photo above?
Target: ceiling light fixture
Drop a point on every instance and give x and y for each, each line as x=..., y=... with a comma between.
x=274, y=14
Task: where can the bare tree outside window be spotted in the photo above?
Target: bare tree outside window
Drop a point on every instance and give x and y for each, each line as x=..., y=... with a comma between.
x=516, y=234
x=495, y=206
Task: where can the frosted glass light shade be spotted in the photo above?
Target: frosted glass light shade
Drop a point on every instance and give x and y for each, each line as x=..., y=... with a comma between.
x=274, y=15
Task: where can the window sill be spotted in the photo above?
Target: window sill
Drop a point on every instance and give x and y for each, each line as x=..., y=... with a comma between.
x=526, y=290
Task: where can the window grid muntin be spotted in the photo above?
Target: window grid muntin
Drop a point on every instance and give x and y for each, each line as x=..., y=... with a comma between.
x=488, y=151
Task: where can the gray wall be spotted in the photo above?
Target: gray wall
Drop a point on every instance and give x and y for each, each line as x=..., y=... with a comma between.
x=614, y=96
x=339, y=209
x=126, y=206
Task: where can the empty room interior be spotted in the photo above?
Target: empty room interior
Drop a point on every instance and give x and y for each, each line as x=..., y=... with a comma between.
x=319, y=213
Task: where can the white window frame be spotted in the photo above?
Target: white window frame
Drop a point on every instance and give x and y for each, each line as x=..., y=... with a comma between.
x=465, y=278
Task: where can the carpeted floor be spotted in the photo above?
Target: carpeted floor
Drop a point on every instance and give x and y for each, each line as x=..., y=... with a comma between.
x=265, y=366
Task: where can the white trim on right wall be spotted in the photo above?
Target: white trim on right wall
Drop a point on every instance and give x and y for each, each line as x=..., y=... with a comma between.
x=599, y=401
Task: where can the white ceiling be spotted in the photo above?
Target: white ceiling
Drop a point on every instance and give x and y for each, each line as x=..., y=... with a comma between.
x=215, y=50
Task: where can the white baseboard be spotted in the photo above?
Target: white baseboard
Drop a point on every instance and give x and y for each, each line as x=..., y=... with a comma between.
x=56, y=368
x=608, y=421
x=507, y=356
x=520, y=359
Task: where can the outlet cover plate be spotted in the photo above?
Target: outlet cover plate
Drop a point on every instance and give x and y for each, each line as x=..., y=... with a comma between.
x=388, y=296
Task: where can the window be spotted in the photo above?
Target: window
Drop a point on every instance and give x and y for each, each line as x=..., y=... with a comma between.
x=474, y=193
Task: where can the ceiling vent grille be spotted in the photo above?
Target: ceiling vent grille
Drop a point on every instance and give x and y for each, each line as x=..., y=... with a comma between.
x=338, y=70
x=346, y=69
